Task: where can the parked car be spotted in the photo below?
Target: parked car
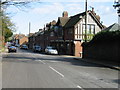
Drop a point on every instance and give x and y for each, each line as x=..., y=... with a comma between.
x=24, y=47
x=12, y=49
x=51, y=50
x=37, y=48
x=17, y=45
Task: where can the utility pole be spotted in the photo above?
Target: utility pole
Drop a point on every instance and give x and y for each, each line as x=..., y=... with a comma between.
x=29, y=35
x=44, y=37
x=86, y=21
x=29, y=28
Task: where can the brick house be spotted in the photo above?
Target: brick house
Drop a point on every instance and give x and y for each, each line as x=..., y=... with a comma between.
x=20, y=39
x=67, y=34
x=74, y=31
x=57, y=35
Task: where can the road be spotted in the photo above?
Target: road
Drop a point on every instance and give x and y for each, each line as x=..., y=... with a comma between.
x=26, y=69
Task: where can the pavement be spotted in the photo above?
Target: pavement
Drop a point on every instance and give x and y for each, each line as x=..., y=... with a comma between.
x=110, y=64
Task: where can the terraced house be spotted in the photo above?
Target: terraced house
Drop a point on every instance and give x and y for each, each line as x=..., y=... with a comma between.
x=68, y=33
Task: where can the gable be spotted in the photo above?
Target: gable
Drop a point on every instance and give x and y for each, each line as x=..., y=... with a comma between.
x=76, y=19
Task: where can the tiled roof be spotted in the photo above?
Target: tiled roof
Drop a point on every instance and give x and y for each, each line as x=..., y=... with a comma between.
x=62, y=21
x=73, y=20
x=76, y=18
x=113, y=27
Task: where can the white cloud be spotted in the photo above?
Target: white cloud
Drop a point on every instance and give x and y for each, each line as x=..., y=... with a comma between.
x=76, y=0
x=107, y=10
x=47, y=9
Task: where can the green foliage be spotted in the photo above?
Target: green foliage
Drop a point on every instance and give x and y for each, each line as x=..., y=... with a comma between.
x=7, y=26
x=105, y=35
x=89, y=37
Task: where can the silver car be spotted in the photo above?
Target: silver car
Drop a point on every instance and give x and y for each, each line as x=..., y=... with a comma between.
x=51, y=50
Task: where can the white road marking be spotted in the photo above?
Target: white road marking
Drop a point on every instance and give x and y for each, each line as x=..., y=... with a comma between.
x=54, y=61
x=41, y=61
x=56, y=71
x=79, y=86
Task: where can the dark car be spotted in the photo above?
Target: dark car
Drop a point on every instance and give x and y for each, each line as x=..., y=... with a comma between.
x=24, y=47
x=37, y=48
x=12, y=49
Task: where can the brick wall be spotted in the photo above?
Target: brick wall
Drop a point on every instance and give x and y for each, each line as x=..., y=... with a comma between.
x=107, y=50
x=78, y=49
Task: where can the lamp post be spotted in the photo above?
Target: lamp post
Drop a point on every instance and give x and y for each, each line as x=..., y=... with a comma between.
x=86, y=21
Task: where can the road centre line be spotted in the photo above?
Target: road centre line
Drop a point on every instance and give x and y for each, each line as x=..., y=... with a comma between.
x=56, y=71
x=79, y=86
x=41, y=61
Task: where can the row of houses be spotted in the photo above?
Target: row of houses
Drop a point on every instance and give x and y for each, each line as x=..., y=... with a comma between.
x=67, y=33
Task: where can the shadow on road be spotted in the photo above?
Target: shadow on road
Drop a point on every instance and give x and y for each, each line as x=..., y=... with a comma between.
x=29, y=59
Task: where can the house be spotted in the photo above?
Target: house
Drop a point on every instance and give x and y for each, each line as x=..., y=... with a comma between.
x=57, y=35
x=74, y=31
x=30, y=41
x=20, y=39
x=68, y=33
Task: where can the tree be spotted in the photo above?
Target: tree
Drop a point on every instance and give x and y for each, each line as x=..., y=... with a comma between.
x=7, y=27
x=17, y=3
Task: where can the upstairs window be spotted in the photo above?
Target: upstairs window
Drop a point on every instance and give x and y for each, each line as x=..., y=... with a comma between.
x=90, y=29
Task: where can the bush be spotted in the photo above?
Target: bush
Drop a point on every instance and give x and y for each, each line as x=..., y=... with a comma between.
x=106, y=35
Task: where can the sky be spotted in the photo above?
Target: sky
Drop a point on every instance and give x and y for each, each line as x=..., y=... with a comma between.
x=38, y=14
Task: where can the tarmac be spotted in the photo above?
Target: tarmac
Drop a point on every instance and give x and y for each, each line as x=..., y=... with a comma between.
x=110, y=64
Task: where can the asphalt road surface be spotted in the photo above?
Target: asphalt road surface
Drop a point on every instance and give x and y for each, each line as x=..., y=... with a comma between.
x=26, y=69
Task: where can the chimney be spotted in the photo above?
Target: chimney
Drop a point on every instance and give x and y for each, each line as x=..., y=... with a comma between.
x=65, y=14
x=93, y=11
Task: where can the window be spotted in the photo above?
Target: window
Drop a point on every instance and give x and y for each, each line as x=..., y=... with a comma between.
x=90, y=29
x=52, y=34
x=70, y=31
x=83, y=29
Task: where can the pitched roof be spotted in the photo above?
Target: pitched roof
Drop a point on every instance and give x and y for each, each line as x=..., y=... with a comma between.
x=113, y=27
x=18, y=36
x=62, y=21
x=74, y=19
